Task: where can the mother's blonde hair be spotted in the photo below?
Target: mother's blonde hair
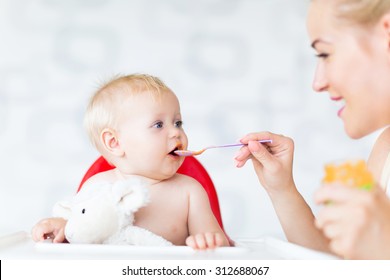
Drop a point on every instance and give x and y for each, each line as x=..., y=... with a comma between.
x=364, y=12
x=105, y=104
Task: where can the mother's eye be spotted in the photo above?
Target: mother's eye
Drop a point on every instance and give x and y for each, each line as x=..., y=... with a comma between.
x=322, y=55
x=83, y=211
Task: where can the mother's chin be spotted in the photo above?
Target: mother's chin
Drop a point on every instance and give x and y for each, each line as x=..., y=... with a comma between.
x=359, y=131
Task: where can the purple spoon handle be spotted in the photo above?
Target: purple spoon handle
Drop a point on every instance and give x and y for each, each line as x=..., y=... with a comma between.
x=237, y=144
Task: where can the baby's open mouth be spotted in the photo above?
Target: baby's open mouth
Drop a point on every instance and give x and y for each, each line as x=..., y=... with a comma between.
x=178, y=147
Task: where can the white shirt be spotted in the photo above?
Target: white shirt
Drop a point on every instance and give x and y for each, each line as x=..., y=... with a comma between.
x=385, y=177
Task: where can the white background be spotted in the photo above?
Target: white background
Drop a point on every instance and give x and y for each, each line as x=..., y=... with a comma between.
x=237, y=66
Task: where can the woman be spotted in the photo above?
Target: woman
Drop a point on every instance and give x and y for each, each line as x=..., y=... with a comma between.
x=352, y=41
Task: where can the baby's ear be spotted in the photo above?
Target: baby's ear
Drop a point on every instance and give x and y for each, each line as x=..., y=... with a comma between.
x=62, y=209
x=110, y=142
x=130, y=195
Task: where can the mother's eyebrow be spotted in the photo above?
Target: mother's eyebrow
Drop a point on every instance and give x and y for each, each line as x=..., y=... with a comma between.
x=315, y=42
x=313, y=45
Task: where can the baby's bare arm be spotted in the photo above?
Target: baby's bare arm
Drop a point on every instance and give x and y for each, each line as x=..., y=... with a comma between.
x=49, y=228
x=204, y=229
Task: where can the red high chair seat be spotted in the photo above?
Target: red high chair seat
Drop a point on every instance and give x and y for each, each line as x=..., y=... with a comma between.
x=190, y=167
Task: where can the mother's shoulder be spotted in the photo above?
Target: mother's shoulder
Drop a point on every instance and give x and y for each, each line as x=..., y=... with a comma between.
x=379, y=153
x=385, y=134
x=382, y=143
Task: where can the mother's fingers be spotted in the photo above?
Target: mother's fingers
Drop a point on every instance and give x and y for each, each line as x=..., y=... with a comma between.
x=278, y=141
x=243, y=154
x=256, y=136
x=332, y=231
x=336, y=193
x=260, y=152
x=329, y=214
x=253, y=148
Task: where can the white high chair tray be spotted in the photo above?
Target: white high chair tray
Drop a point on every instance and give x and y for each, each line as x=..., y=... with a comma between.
x=20, y=246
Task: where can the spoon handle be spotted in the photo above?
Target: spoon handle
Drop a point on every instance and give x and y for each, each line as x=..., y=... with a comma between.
x=238, y=144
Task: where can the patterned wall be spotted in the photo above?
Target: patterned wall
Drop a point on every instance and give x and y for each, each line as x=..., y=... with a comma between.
x=237, y=66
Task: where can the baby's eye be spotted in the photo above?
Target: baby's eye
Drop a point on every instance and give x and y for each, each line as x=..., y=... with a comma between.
x=179, y=124
x=158, y=125
x=83, y=211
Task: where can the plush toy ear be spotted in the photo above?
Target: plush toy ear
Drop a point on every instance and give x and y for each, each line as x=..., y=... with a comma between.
x=62, y=209
x=130, y=194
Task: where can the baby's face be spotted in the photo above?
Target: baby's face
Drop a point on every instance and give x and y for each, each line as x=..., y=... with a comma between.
x=150, y=129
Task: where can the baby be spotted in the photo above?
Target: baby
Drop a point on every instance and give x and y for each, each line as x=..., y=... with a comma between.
x=135, y=122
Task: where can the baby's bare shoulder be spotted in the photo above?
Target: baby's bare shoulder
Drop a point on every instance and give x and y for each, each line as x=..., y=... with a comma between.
x=101, y=177
x=189, y=184
x=185, y=181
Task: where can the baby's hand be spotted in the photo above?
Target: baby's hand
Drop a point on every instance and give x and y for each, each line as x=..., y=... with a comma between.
x=49, y=228
x=208, y=240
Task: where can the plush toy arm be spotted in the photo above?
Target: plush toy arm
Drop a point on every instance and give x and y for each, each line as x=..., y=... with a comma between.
x=132, y=235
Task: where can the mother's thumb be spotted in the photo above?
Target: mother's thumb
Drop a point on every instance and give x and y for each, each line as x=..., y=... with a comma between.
x=259, y=152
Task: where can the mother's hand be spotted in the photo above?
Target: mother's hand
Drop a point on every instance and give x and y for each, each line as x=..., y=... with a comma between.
x=272, y=161
x=357, y=222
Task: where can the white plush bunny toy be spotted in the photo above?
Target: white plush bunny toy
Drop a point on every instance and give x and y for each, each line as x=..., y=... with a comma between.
x=104, y=214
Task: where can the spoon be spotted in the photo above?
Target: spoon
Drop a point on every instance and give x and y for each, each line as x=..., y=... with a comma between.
x=186, y=153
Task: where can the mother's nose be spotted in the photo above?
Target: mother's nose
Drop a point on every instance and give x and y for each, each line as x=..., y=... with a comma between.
x=320, y=81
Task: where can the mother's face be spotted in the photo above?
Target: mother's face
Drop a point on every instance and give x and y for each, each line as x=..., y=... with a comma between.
x=353, y=67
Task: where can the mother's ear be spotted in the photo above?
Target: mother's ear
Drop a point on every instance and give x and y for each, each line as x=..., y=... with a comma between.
x=110, y=142
x=385, y=24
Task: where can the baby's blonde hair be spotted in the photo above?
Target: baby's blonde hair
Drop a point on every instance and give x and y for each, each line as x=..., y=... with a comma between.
x=102, y=109
x=364, y=12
